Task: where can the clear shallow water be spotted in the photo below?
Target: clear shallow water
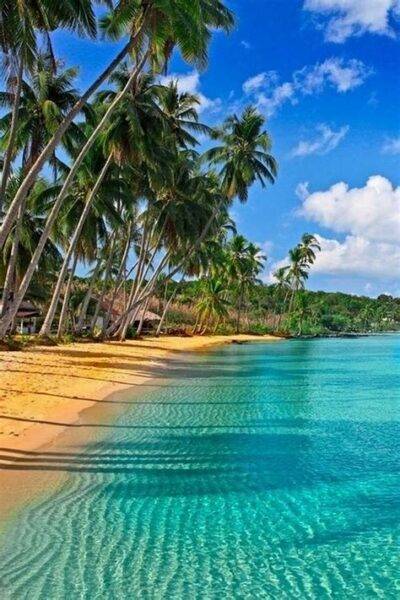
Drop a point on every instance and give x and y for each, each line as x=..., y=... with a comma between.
x=256, y=471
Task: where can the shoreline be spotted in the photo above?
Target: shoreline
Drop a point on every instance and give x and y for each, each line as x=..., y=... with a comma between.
x=47, y=395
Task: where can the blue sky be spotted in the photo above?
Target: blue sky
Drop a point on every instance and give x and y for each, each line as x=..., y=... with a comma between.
x=326, y=75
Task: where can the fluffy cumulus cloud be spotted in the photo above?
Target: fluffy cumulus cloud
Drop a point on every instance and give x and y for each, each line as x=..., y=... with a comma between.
x=190, y=83
x=269, y=93
x=369, y=218
x=324, y=142
x=358, y=256
x=368, y=221
x=342, y=19
x=371, y=212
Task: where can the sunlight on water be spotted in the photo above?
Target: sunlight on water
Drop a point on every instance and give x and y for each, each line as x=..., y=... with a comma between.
x=257, y=471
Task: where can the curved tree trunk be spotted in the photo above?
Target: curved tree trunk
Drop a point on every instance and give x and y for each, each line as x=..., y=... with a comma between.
x=49, y=149
x=88, y=297
x=46, y=327
x=239, y=310
x=136, y=292
x=13, y=132
x=141, y=322
x=118, y=279
x=64, y=309
x=107, y=273
x=12, y=262
x=126, y=319
x=4, y=323
x=168, y=304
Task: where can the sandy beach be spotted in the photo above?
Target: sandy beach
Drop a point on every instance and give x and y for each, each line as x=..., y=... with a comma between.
x=45, y=394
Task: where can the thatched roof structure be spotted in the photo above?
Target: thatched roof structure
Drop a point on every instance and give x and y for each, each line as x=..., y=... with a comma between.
x=27, y=310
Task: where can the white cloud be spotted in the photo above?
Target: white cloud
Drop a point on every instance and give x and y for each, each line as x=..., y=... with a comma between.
x=326, y=141
x=190, y=83
x=270, y=94
x=342, y=19
x=342, y=75
x=245, y=44
x=280, y=95
x=302, y=190
x=357, y=256
x=368, y=219
x=254, y=83
x=391, y=146
x=372, y=212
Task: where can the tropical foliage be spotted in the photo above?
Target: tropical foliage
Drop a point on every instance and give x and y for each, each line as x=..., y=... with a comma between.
x=112, y=181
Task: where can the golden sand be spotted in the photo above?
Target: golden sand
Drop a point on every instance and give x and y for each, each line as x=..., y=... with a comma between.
x=45, y=393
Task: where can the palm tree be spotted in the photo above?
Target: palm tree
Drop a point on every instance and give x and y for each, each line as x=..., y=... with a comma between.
x=213, y=303
x=20, y=245
x=20, y=22
x=166, y=31
x=244, y=155
x=309, y=245
x=301, y=259
x=45, y=97
x=282, y=289
x=245, y=263
x=188, y=28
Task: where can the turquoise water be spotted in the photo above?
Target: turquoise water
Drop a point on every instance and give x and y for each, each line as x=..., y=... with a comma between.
x=256, y=471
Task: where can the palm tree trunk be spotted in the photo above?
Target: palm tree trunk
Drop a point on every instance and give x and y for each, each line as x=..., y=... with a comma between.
x=136, y=291
x=64, y=310
x=12, y=262
x=168, y=304
x=123, y=322
x=216, y=325
x=4, y=323
x=107, y=272
x=194, y=330
x=46, y=327
x=88, y=296
x=13, y=132
x=49, y=149
x=239, y=310
x=291, y=301
x=118, y=279
x=141, y=322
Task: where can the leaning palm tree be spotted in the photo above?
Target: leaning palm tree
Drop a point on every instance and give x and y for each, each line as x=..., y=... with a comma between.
x=164, y=32
x=20, y=23
x=162, y=27
x=46, y=96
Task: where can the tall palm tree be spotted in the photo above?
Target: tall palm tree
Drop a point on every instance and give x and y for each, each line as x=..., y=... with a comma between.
x=245, y=263
x=20, y=21
x=213, y=303
x=244, y=154
x=164, y=32
x=297, y=272
x=188, y=28
x=46, y=96
x=309, y=246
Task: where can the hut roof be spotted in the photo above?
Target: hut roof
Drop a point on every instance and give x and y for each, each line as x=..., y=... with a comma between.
x=119, y=308
x=148, y=316
x=26, y=310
